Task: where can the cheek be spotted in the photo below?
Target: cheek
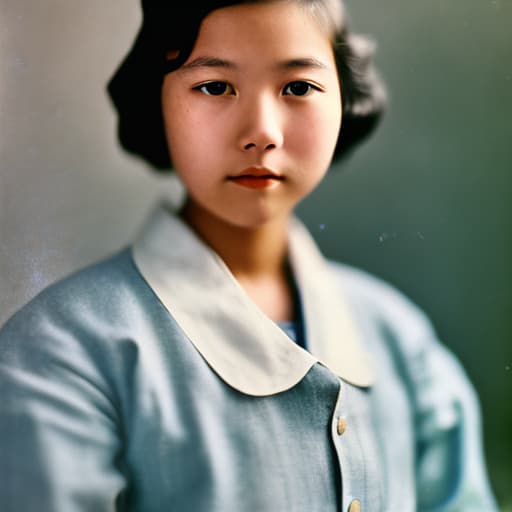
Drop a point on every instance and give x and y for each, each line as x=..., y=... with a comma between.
x=197, y=136
x=315, y=136
x=180, y=131
x=190, y=147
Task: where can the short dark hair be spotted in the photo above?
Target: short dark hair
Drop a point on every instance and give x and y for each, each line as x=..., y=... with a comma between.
x=135, y=88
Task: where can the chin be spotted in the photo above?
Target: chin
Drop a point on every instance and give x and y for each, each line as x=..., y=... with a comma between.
x=255, y=218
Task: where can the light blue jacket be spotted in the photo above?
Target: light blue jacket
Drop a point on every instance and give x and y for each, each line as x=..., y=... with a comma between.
x=151, y=382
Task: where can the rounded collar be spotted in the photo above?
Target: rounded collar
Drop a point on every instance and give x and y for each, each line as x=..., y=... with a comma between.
x=240, y=343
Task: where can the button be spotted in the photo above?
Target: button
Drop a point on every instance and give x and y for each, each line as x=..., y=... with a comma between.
x=342, y=425
x=355, y=506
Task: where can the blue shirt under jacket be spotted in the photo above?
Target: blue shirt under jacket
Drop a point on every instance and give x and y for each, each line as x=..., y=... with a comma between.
x=151, y=382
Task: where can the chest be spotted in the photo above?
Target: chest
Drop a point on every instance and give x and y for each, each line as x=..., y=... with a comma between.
x=196, y=443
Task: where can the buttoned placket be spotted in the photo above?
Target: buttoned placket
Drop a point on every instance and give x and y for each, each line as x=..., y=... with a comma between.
x=350, y=456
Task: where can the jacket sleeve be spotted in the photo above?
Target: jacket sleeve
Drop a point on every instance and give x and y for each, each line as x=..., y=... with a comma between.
x=450, y=471
x=59, y=435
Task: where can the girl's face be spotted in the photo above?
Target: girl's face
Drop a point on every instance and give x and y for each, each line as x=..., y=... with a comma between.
x=259, y=95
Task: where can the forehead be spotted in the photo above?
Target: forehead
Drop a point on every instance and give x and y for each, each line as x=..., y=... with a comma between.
x=277, y=29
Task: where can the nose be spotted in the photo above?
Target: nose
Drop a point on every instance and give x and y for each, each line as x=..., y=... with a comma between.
x=261, y=124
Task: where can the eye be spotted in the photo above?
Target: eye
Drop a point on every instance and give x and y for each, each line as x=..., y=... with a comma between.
x=215, y=88
x=299, y=88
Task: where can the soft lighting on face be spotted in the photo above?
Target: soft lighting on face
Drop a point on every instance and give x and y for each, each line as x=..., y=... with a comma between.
x=259, y=91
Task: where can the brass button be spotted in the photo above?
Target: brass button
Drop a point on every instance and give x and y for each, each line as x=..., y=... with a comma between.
x=355, y=506
x=342, y=425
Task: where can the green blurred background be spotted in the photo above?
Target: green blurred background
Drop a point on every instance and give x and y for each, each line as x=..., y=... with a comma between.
x=424, y=204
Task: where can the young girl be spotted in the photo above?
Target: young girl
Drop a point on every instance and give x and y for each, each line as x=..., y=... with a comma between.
x=220, y=363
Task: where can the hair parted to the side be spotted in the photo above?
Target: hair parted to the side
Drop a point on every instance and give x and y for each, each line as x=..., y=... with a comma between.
x=135, y=88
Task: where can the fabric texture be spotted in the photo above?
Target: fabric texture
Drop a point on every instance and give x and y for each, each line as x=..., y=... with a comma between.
x=108, y=403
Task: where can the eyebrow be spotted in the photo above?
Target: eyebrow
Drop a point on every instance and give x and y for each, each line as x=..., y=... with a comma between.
x=214, y=62
x=209, y=62
x=304, y=63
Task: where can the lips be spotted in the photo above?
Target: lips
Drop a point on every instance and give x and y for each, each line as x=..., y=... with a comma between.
x=256, y=178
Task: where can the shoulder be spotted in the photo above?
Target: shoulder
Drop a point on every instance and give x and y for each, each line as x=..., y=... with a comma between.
x=98, y=289
x=390, y=323
x=80, y=335
x=392, y=326
x=365, y=286
x=103, y=282
x=84, y=315
x=373, y=300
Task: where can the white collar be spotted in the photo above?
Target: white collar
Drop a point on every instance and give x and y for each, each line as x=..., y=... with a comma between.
x=240, y=343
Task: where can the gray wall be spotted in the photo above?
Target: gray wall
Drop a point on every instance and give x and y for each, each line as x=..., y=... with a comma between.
x=67, y=193
x=423, y=204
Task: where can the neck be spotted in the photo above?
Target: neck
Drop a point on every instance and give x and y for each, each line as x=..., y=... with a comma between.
x=250, y=253
x=256, y=257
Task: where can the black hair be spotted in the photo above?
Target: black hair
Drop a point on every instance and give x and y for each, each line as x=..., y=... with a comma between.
x=135, y=88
